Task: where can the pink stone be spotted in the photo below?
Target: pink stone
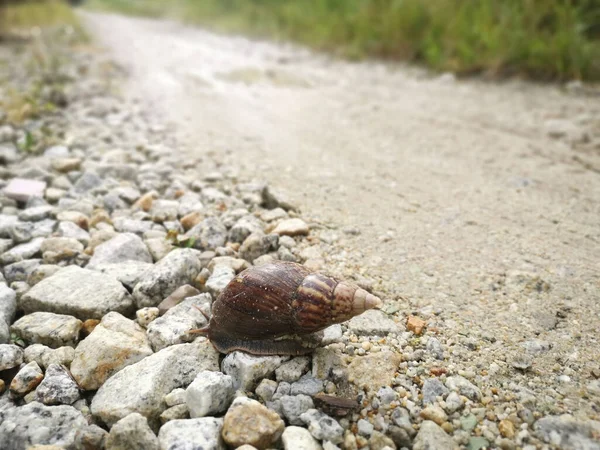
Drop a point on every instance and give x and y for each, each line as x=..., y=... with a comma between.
x=22, y=189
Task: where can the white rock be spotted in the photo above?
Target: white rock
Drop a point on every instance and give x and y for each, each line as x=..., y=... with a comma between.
x=297, y=438
x=26, y=379
x=209, y=394
x=175, y=397
x=131, y=432
x=291, y=227
x=175, y=325
x=115, y=343
x=53, y=330
x=153, y=378
x=78, y=292
x=121, y=248
x=10, y=356
x=179, y=267
x=192, y=434
x=292, y=370
x=323, y=427
x=246, y=370
x=220, y=277
x=36, y=423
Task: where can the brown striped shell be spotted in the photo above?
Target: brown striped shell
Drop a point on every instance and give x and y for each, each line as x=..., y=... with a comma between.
x=271, y=309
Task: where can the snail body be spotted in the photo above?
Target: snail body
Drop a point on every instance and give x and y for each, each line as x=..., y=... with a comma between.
x=275, y=309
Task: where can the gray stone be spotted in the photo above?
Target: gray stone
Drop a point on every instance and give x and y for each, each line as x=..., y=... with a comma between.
x=292, y=370
x=244, y=227
x=86, y=182
x=159, y=247
x=373, y=322
x=4, y=332
x=131, y=433
x=36, y=213
x=208, y=234
x=56, y=151
x=115, y=343
x=56, y=249
x=179, y=267
x=463, y=387
x=72, y=230
x=38, y=424
x=128, y=272
x=258, y=244
x=297, y=438
x=432, y=388
x=175, y=325
x=568, y=433
x=210, y=394
x=332, y=334
x=78, y=292
x=192, y=434
x=219, y=279
x=8, y=303
x=128, y=225
x=153, y=377
x=53, y=330
x=293, y=406
x=365, y=428
x=10, y=356
x=435, y=348
x=431, y=436
x=246, y=370
x=91, y=437
x=323, y=427
x=307, y=385
x=265, y=389
x=386, y=395
x=174, y=413
x=164, y=210
x=453, y=402
x=21, y=270
x=6, y=224
x=121, y=248
x=22, y=251
x=536, y=347
x=41, y=272
x=57, y=387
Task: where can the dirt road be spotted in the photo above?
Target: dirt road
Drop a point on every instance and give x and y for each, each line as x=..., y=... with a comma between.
x=476, y=200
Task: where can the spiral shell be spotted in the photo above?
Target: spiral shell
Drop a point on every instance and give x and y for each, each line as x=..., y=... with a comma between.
x=271, y=309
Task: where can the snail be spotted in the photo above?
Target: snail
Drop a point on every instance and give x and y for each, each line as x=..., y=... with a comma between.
x=275, y=308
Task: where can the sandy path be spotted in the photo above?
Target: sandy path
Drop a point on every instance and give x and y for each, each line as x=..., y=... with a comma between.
x=478, y=199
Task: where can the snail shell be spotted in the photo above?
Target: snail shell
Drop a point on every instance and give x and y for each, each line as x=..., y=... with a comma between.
x=273, y=308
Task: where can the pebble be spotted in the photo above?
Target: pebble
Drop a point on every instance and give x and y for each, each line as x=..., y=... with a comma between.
x=208, y=234
x=115, y=343
x=247, y=370
x=463, y=387
x=174, y=413
x=292, y=370
x=374, y=370
x=297, y=438
x=57, y=387
x=10, y=356
x=293, y=406
x=219, y=279
x=249, y=422
x=307, y=385
x=291, y=227
x=131, y=432
x=36, y=423
x=568, y=433
x=431, y=436
x=373, y=322
x=365, y=428
x=127, y=273
x=45, y=356
x=453, y=402
x=23, y=189
x=175, y=325
x=121, y=248
x=434, y=413
x=154, y=377
x=26, y=380
x=209, y=394
x=433, y=388
x=78, y=292
x=90, y=438
x=323, y=427
x=192, y=434
x=53, y=330
x=415, y=324
x=179, y=267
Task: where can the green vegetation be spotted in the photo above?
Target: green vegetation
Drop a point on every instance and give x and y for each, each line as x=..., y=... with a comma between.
x=546, y=39
x=18, y=15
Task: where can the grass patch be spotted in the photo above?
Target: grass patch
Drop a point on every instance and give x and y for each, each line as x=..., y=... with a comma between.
x=20, y=15
x=544, y=39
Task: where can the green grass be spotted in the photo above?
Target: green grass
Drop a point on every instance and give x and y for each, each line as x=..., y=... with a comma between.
x=35, y=13
x=544, y=39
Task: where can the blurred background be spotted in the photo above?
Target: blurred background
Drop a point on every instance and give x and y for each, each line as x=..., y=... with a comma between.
x=540, y=39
